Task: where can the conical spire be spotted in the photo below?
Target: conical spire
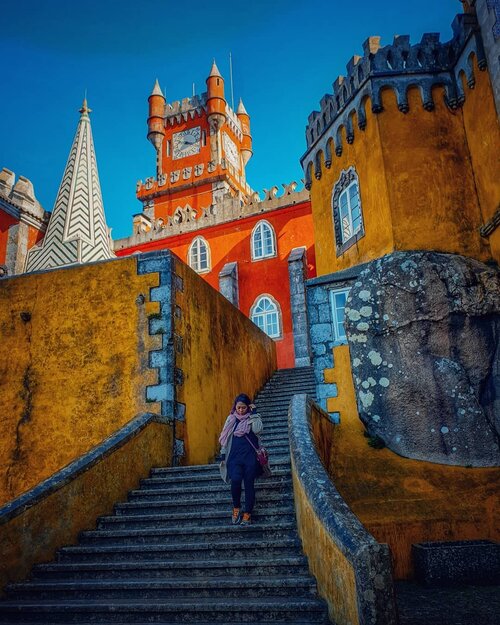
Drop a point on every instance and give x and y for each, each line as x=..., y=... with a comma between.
x=157, y=89
x=241, y=108
x=77, y=230
x=214, y=71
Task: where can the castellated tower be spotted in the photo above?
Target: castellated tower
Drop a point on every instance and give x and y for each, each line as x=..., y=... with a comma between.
x=202, y=147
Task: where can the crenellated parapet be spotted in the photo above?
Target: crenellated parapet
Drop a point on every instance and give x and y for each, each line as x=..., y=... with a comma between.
x=187, y=219
x=398, y=67
x=17, y=198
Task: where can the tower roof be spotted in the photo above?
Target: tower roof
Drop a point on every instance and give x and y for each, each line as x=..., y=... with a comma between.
x=77, y=230
x=214, y=71
x=157, y=90
x=241, y=108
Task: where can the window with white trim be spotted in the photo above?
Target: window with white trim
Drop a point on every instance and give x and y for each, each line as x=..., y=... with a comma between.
x=199, y=255
x=263, y=241
x=347, y=214
x=266, y=314
x=338, y=298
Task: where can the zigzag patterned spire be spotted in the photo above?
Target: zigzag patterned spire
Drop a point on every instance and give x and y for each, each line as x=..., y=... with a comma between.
x=77, y=230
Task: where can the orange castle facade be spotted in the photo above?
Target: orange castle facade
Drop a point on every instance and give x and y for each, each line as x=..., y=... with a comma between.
x=257, y=252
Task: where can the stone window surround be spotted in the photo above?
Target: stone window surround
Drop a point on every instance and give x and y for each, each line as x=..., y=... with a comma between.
x=346, y=178
x=278, y=313
x=260, y=223
x=200, y=240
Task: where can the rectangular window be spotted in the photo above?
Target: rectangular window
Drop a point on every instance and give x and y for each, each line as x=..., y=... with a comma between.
x=338, y=299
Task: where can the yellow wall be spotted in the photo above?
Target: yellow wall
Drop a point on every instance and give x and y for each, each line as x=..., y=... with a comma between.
x=483, y=138
x=332, y=570
x=427, y=180
x=36, y=534
x=402, y=501
x=366, y=154
x=76, y=371
x=224, y=354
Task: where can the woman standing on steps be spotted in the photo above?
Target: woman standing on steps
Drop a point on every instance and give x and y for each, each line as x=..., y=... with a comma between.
x=239, y=459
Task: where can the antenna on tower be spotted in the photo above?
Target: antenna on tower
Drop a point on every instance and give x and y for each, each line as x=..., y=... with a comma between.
x=231, y=78
x=193, y=90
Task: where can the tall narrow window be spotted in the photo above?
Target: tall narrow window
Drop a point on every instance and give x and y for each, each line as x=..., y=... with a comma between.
x=338, y=299
x=263, y=241
x=199, y=255
x=347, y=214
x=266, y=314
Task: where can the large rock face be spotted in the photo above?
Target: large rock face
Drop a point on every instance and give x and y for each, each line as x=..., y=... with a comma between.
x=424, y=335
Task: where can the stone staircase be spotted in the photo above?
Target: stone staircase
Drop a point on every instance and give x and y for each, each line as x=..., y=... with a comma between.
x=170, y=555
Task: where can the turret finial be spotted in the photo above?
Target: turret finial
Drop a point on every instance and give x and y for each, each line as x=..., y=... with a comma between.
x=157, y=89
x=215, y=70
x=85, y=110
x=241, y=108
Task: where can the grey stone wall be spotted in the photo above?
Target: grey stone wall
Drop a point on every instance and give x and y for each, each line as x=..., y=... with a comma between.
x=228, y=283
x=424, y=336
x=297, y=267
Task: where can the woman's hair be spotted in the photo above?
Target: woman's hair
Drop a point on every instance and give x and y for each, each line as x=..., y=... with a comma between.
x=244, y=399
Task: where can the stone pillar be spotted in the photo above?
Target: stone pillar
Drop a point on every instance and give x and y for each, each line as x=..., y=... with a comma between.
x=228, y=283
x=17, y=248
x=297, y=264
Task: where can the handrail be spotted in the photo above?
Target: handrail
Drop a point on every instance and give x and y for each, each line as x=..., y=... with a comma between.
x=68, y=473
x=370, y=561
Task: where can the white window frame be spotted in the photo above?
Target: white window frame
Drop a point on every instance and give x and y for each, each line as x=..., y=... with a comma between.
x=194, y=255
x=264, y=315
x=339, y=339
x=346, y=193
x=260, y=228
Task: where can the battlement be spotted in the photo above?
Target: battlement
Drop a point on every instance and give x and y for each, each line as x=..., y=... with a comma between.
x=192, y=105
x=19, y=200
x=186, y=219
x=397, y=66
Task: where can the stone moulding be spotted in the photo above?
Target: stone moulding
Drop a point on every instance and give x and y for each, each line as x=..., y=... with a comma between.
x=370, y=561
x=399, y=66
x=69, y=473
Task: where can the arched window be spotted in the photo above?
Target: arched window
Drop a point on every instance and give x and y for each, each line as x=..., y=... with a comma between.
x=199, y=255
x=347, y=214
x=266, y=314
x=263, y=241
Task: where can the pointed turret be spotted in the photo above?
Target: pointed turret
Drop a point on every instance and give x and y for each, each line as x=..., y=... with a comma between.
x=77, y=230
x=156, y=125
x=216, y=103
x=246, y=144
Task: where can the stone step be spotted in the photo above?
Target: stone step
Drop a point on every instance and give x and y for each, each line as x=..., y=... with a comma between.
x=194, y=470
x=240, y=548
x=214, y=610
x=285, y=391
x=172, y=569
x=209, y=479
x=225, y=532
x=188, y=519
x=263, y=486
x=206, y=501
x=154, y=589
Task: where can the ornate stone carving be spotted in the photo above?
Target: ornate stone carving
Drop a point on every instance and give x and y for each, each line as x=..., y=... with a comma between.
x=186, y=173
x=175, y=175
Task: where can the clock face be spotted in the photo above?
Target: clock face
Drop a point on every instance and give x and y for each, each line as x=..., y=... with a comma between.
x=186, y=143
x=231, y=151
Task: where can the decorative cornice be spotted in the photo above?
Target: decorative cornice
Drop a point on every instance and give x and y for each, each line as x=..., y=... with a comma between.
x=398, y=66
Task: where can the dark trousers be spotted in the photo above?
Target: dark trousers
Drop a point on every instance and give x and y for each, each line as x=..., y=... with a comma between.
x=243, y=473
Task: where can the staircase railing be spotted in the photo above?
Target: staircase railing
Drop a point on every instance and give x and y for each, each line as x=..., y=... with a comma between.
x=352, y=569
x=38, y=522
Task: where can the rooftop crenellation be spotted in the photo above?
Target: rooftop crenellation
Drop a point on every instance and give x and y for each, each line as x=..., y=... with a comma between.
x=398, y=66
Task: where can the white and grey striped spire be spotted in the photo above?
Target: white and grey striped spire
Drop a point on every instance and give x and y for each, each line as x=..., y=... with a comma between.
x=77, y=230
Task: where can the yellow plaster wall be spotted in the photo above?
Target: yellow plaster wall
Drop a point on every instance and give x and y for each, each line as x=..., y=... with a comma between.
x=422, y=178
x=433, y=197
x=36, y=534
x=341, y=376
x=76, y=371
x=224, y=354
x=366, y=154
x=330, y=567
x=483, y=137
x=402, y=501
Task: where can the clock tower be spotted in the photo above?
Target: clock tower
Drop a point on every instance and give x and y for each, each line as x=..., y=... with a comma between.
x=202, y=147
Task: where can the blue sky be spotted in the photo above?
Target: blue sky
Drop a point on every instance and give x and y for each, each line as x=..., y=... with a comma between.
x=286, y=55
